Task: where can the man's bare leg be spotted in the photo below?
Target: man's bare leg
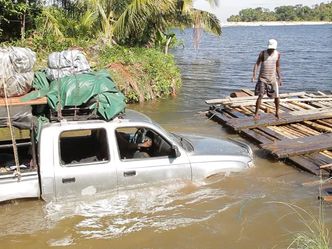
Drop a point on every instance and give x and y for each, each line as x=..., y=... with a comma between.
x=258, y=104
x=277, y=102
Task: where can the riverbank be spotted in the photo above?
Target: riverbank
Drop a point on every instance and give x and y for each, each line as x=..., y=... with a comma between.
x=139, y=73
x=232, y=24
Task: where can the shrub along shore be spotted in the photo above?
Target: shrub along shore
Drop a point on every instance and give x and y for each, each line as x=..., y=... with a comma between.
x=140, y=73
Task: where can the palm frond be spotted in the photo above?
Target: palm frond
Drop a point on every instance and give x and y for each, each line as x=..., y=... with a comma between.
x=138, y=12
x=88, y=19
x=209, y=22
x=52, y=23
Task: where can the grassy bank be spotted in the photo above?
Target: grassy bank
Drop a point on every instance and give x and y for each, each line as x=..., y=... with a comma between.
x=140, y=73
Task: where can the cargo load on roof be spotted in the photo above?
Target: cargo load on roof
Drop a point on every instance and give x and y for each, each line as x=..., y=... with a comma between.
x=65, y=63
x=16, y=70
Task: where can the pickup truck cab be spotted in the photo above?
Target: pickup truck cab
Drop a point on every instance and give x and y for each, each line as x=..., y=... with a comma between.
x=79, y=158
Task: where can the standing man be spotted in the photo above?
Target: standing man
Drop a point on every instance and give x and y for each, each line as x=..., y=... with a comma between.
x=269, y=78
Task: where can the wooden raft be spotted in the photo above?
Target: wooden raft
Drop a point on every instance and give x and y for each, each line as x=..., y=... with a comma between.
x=302, y=134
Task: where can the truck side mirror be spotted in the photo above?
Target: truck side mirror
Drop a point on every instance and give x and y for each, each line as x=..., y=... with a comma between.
x=175, y=151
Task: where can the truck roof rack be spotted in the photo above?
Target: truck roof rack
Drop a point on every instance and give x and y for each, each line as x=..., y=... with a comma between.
x=73, y=114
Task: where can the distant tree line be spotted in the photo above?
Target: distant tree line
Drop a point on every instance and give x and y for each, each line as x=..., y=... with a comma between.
x=319, y=12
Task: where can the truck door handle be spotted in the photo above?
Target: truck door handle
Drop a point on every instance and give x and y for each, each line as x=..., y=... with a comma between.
x=129, y=173
x=68, y=180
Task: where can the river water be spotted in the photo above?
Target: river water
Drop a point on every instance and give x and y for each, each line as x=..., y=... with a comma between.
x=246, y=210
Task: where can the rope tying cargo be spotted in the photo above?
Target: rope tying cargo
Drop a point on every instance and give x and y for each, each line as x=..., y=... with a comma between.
x=18, y=170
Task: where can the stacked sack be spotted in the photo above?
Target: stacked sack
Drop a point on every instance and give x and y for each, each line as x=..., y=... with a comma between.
x=66, y=63
x=16, y=66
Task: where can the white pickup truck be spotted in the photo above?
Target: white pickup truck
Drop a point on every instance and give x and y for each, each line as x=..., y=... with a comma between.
x=77, y=158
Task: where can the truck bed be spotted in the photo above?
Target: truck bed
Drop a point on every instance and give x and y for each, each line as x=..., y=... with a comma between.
x=11, y=186
x=27, y=187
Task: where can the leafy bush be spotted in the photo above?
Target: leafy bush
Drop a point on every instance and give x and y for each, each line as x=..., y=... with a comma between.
x=149, y=72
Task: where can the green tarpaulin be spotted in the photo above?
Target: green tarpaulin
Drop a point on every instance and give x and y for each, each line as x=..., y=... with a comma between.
x=95, y=90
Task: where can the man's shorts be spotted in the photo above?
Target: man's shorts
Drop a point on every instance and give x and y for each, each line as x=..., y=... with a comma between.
x=271, y=90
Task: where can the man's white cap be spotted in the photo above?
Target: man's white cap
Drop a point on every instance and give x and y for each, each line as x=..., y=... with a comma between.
x=272, y=44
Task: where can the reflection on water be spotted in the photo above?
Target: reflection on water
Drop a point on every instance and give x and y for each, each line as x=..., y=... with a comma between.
x=237, y=211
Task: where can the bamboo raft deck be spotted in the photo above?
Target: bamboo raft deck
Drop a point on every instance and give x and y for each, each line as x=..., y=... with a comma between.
x=302, y=135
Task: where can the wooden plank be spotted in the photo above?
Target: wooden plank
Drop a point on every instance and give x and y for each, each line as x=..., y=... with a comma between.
x=318, y=127
x=235, y=114
x=321, y=158
x=15, y=101
x=247, y=111
x=238, y=94
x=252, y=102
x=294, y=107
x=248, y=91
x=296, y=133
x=256, y=136
x=317, y=105
x=304, y=105
x=326, y=166
x=327, y=153
x=324, y=122
x=313, y=111
x=303, y=130
x=305, y=164
x=272, y=133
x=298, y=146
x=269, y=119
x=217, y=116
x=279, y=130
x=287, y=106
x=250, y=97
x=318, y=95
x=285, y=131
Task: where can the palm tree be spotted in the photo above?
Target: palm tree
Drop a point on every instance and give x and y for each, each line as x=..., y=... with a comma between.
x=129, y=22
x=144, y=21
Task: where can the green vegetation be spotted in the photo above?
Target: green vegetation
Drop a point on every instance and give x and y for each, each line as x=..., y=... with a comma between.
x=321, y=12
x=135, y=34
x=316, y=234
x=142, y=74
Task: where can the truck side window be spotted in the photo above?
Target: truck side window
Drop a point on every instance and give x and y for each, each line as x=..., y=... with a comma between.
x=83, y=146
x=141, y=142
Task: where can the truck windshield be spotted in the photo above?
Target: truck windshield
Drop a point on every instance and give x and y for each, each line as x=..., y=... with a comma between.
x=185, y=143
x=182, y=141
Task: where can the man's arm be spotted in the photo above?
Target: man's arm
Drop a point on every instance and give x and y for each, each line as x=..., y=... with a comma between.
x=146, y=144
x=278, y=70
x=258, y=62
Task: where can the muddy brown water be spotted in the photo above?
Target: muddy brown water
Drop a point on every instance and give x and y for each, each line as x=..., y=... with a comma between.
x=243, y=210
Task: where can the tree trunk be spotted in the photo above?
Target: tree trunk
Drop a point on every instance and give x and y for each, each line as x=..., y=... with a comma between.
x=23, y=27
x=23, y=20
x=167, y=44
